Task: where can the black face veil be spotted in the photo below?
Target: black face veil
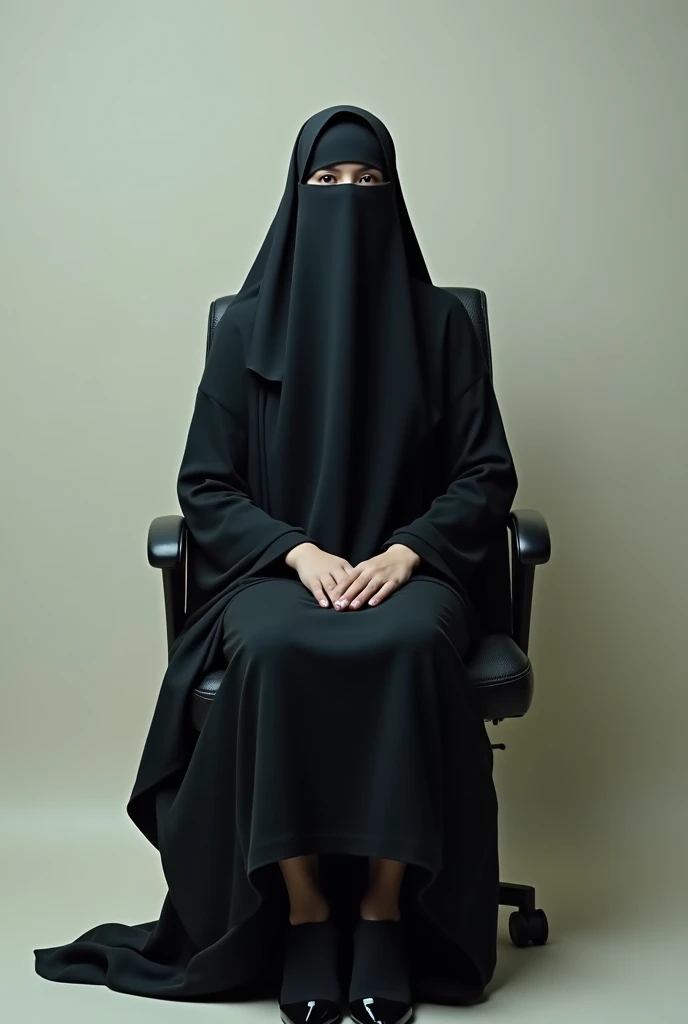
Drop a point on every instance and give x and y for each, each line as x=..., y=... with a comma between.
x=335, y=325
x=346, y=225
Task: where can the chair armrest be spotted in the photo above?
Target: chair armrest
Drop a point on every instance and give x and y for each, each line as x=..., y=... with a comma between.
x=530, y=536
x=530, y=547
x=167, y=538
x=166, y=541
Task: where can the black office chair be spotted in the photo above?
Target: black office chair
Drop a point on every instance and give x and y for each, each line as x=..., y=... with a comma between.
x=500, y=668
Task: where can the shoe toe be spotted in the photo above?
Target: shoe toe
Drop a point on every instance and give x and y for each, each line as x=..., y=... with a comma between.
x=310, y=1011
x=380, y=1011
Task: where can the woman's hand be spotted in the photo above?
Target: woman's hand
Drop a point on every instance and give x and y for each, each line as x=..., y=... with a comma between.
x=318, y=570
x=375, y=578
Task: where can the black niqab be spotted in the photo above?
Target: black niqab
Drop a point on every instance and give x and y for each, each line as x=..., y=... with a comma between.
x=335, y=324
x=283, y=300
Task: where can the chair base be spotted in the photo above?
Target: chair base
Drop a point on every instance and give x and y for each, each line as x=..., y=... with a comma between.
x=528, y=926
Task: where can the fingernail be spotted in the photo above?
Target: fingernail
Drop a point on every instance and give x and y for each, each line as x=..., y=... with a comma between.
x=324, y=604
x=355, y=604
x=343, y=603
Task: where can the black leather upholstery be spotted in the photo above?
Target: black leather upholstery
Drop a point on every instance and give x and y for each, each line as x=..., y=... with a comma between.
x=475, y=303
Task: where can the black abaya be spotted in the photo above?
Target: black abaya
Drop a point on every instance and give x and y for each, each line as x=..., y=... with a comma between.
x=345, y=401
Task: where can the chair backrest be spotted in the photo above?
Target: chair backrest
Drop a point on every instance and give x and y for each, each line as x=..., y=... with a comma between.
x=491, y=591
x=473, y=299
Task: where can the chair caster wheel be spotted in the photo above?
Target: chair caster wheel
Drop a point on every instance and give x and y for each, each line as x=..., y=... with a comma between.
x=527, y=929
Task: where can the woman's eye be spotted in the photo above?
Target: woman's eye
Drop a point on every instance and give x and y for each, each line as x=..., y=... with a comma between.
x=369, y=178
x=323, y=176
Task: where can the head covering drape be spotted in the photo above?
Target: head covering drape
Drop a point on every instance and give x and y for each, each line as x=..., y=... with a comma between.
x=335, y=324
x=309, y=222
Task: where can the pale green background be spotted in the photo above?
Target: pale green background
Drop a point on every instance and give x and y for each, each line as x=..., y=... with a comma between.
x=542, y=150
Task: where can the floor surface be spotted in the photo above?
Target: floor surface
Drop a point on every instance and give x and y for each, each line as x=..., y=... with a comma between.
x=57, y=882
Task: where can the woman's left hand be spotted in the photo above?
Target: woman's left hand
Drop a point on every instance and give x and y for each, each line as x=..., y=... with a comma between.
x=375, y=578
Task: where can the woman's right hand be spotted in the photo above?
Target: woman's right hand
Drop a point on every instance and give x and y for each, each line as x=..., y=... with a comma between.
x=318, y=570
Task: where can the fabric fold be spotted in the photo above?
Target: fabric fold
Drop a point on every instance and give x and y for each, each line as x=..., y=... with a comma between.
x=455, y=533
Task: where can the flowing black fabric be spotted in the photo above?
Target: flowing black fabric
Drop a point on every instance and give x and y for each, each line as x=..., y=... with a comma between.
x=345, y=401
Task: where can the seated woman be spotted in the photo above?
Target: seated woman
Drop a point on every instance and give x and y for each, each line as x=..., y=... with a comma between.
x=331, y=834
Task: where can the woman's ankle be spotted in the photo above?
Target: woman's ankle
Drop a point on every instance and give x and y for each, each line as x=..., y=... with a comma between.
x=376, y=909
x=313, y=912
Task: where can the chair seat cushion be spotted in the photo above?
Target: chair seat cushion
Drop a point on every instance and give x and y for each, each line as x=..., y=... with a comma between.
x=502, y=675
x=499, y=670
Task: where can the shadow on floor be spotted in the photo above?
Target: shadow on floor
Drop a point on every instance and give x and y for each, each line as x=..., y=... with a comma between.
x=513, y=962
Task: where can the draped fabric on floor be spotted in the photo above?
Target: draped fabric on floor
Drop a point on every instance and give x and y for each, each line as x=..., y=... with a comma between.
x=355, y=410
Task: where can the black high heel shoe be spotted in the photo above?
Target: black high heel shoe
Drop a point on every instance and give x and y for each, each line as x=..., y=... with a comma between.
x=379, y=1011
x=380, y=988
x=310, y=985
x=311, y=1011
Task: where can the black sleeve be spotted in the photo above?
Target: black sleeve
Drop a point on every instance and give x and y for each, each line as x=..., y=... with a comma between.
x=454, y=534
x=235, y=534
